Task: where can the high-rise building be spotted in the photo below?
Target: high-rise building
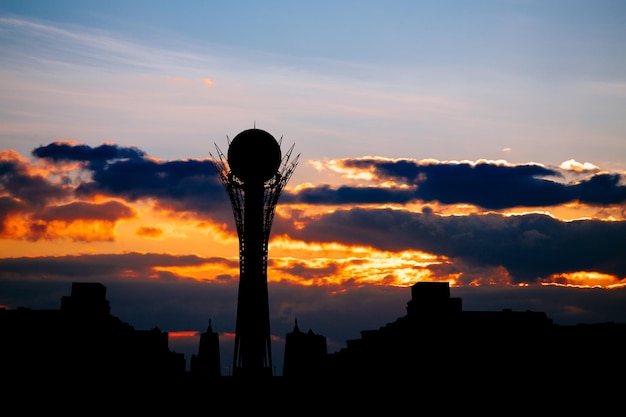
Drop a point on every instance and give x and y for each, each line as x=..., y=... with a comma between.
x=254, y=175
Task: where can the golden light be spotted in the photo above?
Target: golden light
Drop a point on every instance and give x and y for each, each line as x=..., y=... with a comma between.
x=332, y=263
x=150, y=231
x=83, y=230
x=573, y=165
x=204, y=272
x=336, y=165
x=16, y=226
x=182, y=234
x=571, y=212
x=584, y=279
x=180, y=334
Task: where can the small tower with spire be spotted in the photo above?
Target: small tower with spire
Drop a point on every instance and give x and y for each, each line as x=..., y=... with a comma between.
x=206, y=364
x=305, y=353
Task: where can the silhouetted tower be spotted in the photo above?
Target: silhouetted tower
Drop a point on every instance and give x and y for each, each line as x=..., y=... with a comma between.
x=206, y=364
x=305, y=354
x=254, y=175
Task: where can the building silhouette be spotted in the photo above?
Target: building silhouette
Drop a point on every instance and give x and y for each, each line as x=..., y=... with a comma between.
x=440, y=343
x=254, y=175
x=206, y=363
x=82, y=341
x=436, y=353
x=305, y=354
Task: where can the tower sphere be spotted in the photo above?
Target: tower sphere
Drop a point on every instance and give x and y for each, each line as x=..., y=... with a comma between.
x=254, y=155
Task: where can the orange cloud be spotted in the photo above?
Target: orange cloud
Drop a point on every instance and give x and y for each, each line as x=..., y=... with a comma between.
x=208, y=82
x=584, y=279
x=11, y=155
x=219, y=270
x=79, y=230
x=335, y=264
x=149, y=231
x=78, y=210
x=78, y=221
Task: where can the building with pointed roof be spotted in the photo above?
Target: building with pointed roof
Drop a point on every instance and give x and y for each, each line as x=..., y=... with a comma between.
x=206, y=363
x=305, y=354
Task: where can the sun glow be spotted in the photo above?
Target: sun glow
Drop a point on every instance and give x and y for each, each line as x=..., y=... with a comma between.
x=183, y=333
x=337, y=166
x=584, y=279
x=336, y=264
x=209, y=271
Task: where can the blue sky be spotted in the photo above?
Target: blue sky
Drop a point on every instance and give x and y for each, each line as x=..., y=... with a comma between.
x=515, y=80
x=475, y=132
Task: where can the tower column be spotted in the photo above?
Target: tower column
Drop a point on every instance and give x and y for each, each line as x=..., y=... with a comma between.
x=253, y=354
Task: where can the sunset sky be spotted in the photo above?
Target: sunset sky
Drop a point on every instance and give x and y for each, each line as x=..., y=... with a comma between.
x=481, y=143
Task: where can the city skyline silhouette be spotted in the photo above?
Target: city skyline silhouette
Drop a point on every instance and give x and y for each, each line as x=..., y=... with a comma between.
x=486, y=356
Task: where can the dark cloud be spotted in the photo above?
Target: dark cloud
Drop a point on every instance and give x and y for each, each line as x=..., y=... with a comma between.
x=186, y=186
x=183, y=185
x=103, y=267
x=65, y=151
x=489, y=186
x=485, y=184
x=306, y=272
x=32, y=190
x=601, y=189
x=189, y=185
x=530, y=246
x=194, y=186
x=110, y=211
x=325, y=194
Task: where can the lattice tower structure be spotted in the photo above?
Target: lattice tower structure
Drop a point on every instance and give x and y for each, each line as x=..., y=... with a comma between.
x=254, y=190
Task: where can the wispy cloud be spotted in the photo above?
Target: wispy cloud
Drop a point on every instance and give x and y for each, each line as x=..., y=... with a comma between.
x=96, y=85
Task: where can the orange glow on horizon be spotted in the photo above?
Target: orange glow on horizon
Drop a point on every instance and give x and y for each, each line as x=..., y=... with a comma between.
x=215, y=272
x=585, y=279
x=336, y=264
x=184, y=333
x=488, y=276
x=571, y=212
